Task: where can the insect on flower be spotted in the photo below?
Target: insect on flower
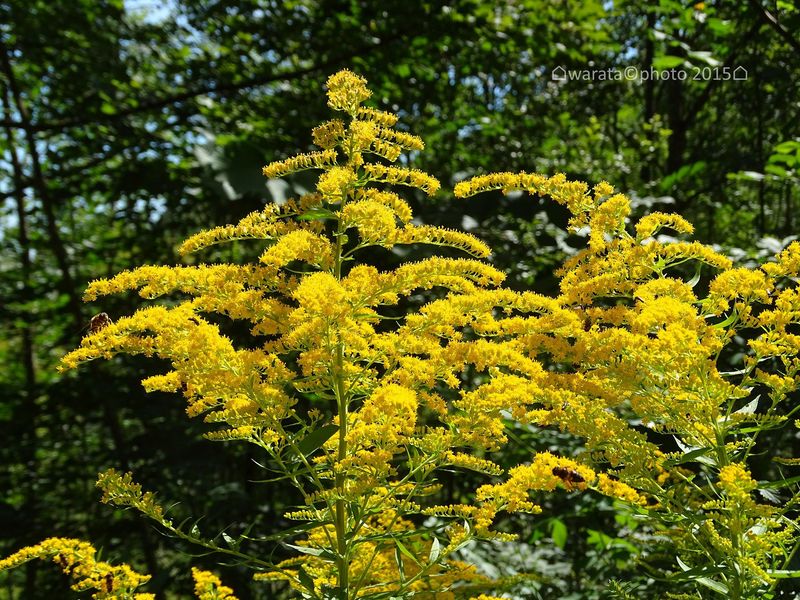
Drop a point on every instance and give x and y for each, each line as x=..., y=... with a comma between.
x=568, y=475
x=99, y=321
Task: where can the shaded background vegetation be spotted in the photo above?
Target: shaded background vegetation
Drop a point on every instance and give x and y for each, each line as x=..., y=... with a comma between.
x=126, y=125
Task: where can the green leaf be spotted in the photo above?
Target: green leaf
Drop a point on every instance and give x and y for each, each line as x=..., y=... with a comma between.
x=696, y=455
x=776, y=485
x=401, y=569
x=704, y=56
x=718, y=26
x=696, y=278
x=776, y=170
x=321, y=552
x=728, y=320
x=699, y=576
x=435, y=551
x=750, y=407
x=751, y=175
x=783, y=574
x=770, y=496
x=232, y=543
x=305, y=580
x=716, y=586
x=316, y=438
x=667, y=62
x=406, y=552
x=558, y=531
x=787, y=147
x=317, y=214
x=788, y=159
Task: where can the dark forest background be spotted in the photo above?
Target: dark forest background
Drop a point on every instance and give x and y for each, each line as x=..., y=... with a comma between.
x=126, y=125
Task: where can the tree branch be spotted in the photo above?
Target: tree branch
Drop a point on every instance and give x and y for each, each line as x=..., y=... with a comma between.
x=211, y=88
x=705, y=95
x=40, y=184
x=772, y=21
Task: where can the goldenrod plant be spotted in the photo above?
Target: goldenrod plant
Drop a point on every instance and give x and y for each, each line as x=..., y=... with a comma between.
x=671, y=379
x=360, y=409
x=356, y=408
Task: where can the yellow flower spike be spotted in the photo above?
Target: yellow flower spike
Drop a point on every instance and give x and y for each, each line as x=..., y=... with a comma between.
x=301, y=162
x=346, y=91
x=376, y=222
x=321, y=294
x=379, y=117
x=387, y=150
x=401, y=138
x=362, y=134
x=336, y=182
x=616, y=489
x=439, y=236
x=608, y=220
x=329, y=134
x=651, y=224
x=399, y=206
x=78, y=559
x=298, y=245
x=485, y=183
x=787, y=262
x=267, y=224
x=741, y=283
x=121, y=490
x=736, y=482
x=402, y=176
x=208, y=586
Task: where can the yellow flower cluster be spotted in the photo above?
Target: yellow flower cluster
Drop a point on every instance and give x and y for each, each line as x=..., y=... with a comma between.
x=401, y=138
x=121, y=490
x=298, y=245
x=346, y=91
x=329, y=134
x=207, y=586
x=379, y=431
x=736, y=482
x=267, y=224
x=787, y=263
x=312, y=160
x=361, y=135
x=325, y=344
x=402, y=176
x=380, y=117
x=644, y=346
x=390, y=152
x=572, y=194
x=335, y=183
x=399, y=207
x=77, y=559
x=651, y=224
x=440, y=236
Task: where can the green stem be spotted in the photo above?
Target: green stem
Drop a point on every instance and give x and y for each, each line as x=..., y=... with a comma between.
x=737, y=566
x=341, y=400
x=341, y=511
